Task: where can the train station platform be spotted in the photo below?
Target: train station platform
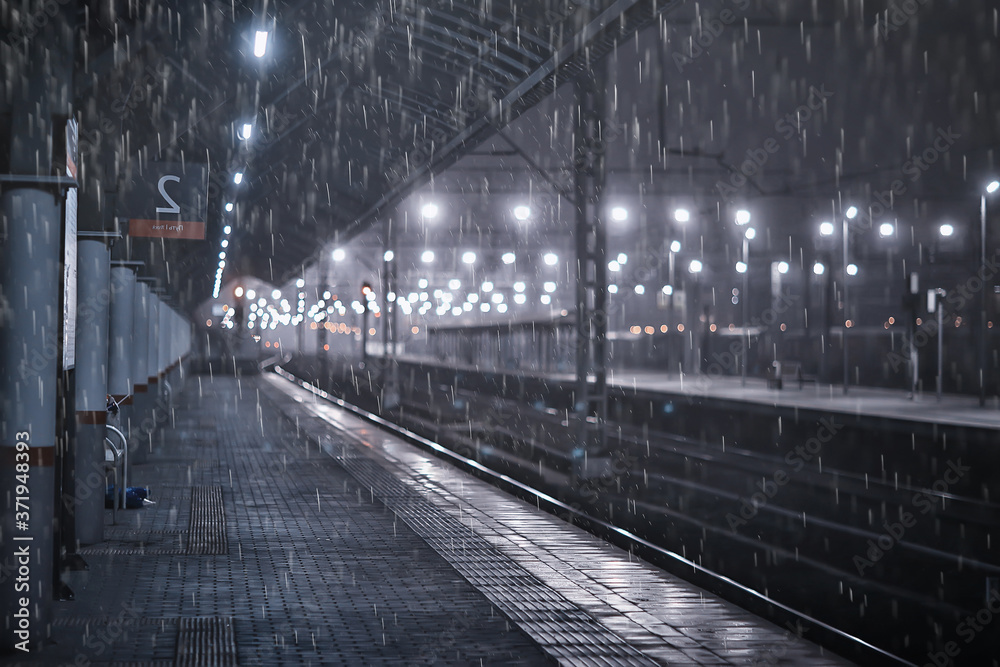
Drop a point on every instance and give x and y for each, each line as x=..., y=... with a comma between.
x=960, y=410
x=289, y=531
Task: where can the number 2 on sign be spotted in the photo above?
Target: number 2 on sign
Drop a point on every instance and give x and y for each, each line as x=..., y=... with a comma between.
x=173, y=208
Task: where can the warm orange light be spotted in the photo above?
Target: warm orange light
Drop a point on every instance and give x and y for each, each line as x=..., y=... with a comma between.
x=208, y=323
x=919, y=321
x=649, y=331
x=783, y=327
x=849, y=324
x=225, y=307
x=732, y=327
x=313, y=326
x=371, y=332
x=892, y=320
x=634, y=329
x=885, y=325
x=415, y=330
x=378, y=314
x=664, y=328
x=326, y=347
x=712, y=327
x=276, y=344
x=680, y=328
x=267, y=344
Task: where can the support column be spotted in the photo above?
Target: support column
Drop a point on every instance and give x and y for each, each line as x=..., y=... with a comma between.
x=94, y=298
x=591, y=284
x=120, y=346
x=163, y=350
x=138, y=435
x=39, y=86
x=29, y=350
x=153, y=349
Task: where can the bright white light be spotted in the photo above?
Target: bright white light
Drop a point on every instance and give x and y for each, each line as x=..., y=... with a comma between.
x=694, y=266
x=454, y=283
x=502, y=308
x=742, y=217
x=682, y=215
x=619, y=214
x=222, y=255
x=522, y=212
x=222, y=264
x=388, y=256
x=622, y=258
x=247, y=131
x=947, y=230
x=469, y=257
x=852, y=269
x=225, y=243
x=473, y=297
x=422, y=283
x=992, y=187
x=427, y=257
x=339, y=254
x=675, y=246
x=885, y=229
x=487, y=286
x=613, y=289
x=518, y=286
x=546, y=299
x=614, y=266
x=229, y=206
x=497, y=298
x=851, y=212
x=429, y=211
x=467, y=306
x=640, y=289
x=485, y=307
x=826, y=228
x=251, y=294
x=456, y=311
x=668, y=289
x=300, y=283
x=551, y=258
x=741, y=267
x=508, y=258
x=227, y=229
x=520, y=299
x=549, y=287
x=750, y=233
x=260, y=43
x=782, y=267
x=276, y=294
x=238, y=177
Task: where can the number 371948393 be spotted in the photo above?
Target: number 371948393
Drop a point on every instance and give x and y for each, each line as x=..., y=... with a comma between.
x=21, y=464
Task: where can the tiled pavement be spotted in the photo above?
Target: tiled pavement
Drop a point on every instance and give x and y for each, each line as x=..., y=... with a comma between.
x=338, y=544
x=511, y=551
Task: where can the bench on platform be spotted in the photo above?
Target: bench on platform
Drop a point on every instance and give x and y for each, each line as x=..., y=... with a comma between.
x=780, y=370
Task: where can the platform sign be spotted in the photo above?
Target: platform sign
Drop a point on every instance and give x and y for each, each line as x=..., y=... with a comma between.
x=167, y=200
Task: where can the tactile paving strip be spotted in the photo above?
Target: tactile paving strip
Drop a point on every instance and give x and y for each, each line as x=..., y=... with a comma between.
x=562, y=629
x=206, y=642
x=207, y=532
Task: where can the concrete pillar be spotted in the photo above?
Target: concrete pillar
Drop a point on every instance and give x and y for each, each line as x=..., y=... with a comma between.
x=163, y=345
x=152, y=354
x=138, y=438
x=93, y=299
x=29, y=364
x=120, y=348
